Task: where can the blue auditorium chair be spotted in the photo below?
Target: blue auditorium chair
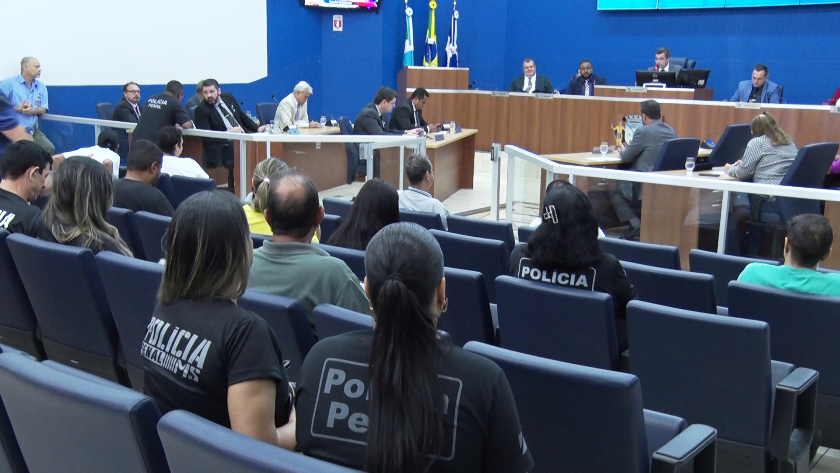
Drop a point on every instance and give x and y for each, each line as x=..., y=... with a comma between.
x=803, y=331
x=570, y=325
x=729, y=148
x=354, y=165
x=194, y=444
x=290, y=323
x=164, y=184
x=673, y=153
x=126, y=224
x=717, y=370
x=355, y=259
x=488, y=257
x=661, y=256
x=11, y=459
x=259, y=239
x=131, y=286
x=468, y=317
x=724, y=268
x=334, y=206
x=331, y=320
x=72, y=312
x=151, y=228
x=524, y=232
x=68, y=423
x=183, y=187
x=328, y=226
x=427, y=220
x=266, y=112
x=581, y=419
x=105, y=110
x=18, y=325
x=489, y=229
x=673, y=288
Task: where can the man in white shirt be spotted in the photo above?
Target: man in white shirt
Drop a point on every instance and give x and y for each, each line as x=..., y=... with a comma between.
x=170, y=140
x=105, y=152
x=293, y=109
x=421, y=176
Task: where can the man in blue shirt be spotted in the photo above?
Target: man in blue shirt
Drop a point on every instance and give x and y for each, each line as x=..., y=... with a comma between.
x=29, y=97
x=10, y=129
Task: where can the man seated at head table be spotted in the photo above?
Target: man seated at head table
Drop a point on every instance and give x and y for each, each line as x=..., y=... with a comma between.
x=758, y=89
x=585, y=81
x=808, y=242
x=409, y=114
x=293, y=109
x=128, y=108
x=663, y=62
x=529, y=81
x=370, y=122
x=197, y=98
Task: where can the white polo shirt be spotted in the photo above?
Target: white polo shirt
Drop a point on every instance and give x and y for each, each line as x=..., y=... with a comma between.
x=187, y=167
x=98, y=154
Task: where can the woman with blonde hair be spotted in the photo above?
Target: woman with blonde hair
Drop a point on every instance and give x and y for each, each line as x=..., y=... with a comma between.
x=254, y=211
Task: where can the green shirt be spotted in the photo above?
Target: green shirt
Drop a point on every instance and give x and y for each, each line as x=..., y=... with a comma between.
x=309, y=275
x=792, y=279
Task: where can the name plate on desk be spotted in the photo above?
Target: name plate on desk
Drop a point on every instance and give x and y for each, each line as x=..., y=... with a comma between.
x=500, y=93
x=835, y=109
x=544, y=96
x=439, y=136
x=748, y=105
x=636, y=90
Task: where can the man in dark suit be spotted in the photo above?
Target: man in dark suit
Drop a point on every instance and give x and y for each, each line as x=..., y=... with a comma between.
x=409, y=114
x=663, y=63
x=529, y=81
x=585, y=81
x=219, y=111
x=370, y=121
x=128, y=108
x=642, y=151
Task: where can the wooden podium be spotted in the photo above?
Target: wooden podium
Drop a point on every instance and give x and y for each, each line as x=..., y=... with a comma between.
x=432, y=78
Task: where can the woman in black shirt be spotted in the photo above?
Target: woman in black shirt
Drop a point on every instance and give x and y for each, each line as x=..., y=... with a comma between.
x=564, y=250
x=376, y=206
x=202, y=353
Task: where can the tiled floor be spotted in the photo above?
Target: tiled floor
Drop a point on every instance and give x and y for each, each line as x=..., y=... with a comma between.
x=827, y=460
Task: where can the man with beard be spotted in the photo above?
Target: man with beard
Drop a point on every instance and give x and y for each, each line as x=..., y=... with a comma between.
x=585, y=81
x=128, y=108
x=162, y=110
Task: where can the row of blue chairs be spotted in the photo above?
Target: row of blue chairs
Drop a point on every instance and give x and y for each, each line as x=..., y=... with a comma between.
x=178, y=188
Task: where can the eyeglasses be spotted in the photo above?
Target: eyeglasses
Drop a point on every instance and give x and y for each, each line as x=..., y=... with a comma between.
x=133, y=91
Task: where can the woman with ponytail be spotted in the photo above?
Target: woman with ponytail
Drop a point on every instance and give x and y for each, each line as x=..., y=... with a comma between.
x=263, y=173
x=397, y=399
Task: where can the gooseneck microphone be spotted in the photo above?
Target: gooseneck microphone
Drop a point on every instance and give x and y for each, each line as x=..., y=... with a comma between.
x=291, y=118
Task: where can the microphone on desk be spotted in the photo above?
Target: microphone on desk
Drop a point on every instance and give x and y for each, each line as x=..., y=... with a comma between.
x=332, y=121
x=275, y=99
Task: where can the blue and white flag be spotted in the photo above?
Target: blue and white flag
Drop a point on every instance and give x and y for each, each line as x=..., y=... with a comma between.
x=452, y=41
x=408, y=55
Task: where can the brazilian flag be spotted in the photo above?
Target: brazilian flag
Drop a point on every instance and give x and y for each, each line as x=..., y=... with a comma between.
x=430, y=57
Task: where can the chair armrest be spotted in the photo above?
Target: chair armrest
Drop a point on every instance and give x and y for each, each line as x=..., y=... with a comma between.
x=692, y=450
x=661, y=428
x=794, y=414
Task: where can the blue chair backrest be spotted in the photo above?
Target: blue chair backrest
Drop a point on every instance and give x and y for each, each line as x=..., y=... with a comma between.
x=724, y=268
x=468, y=317
x=524, y=232
x=164, y=184
x=352, y=149
x=803, y=327
x=290, y=324
x=489, y=229
x=731, y=145
x=808, y=170
x=105, y=111
x=708, y=369
x=354, y=259
x=17, y=319
x=571, y=325
x=488, y=257
x=11, y=459
x=193, y=444
x=338, y=207
x=124, y=220
x=266, y=112
x=570, y=413
x=183, y=187
x=329, y=226
x=151, y=228
x=427, y=220
x=75, y=319
x=131, y=286
x=259, y=240
x=67, y=423
x=331, y=320
x=672, y=287
x=673, y=153
x=679, y=61
x=651, y=254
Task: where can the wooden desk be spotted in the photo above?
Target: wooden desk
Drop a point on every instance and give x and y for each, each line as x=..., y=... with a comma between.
x=654, y=92
x=453, y=161
x=324, y=163
x=412, y=77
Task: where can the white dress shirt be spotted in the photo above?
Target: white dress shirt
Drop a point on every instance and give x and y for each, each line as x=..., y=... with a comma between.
x=187, y=167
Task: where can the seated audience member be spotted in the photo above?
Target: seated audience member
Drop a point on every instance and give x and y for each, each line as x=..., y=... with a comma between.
x=137, y=191
x=10, y=129
x=759, y=89
x=663, y=62
x=128, y=108
x=766, y=160
x=170, y=140
x=409, y=114
x=255, y=211
x=529, y=81
x=421, y=176
x=30, y=100
x=643, y=152
x=808, y=242
x=292, y=110
x=565, y=249
x=162, y=110
x=370, y=122
x=24, y=167
x=82, y=193
x=376, y=206
x=585, y=81
x=289, y=265
x=233, y=373
x=105, y=152
x=556, y=184
x=402, y=359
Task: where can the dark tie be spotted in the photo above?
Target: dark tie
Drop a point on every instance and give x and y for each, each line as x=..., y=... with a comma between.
x=136, y=111
x=417, y=117
x=228, y=116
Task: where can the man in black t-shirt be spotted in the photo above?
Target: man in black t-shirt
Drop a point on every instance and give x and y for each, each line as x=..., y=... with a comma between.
x=24, y=167
x=137, y=191
x=162, y=110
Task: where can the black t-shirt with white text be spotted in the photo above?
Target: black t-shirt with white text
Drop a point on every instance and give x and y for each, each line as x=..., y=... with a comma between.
x=17, y=216
x=160, y=110
x=482, y=432
x=194, y=350
x=137, y=196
